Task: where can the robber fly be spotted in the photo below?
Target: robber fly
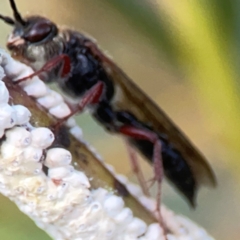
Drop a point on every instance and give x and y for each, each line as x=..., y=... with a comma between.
x=84, y=73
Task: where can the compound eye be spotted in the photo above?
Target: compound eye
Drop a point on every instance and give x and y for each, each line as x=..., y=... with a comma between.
x=38, y=32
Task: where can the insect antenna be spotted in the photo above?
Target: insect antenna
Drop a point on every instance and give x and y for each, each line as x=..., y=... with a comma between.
x=16, y=14
x=7, y=20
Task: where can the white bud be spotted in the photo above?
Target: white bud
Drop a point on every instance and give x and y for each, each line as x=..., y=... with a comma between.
x=136, y=228
x=42, y=137
x=4, y=94
x=148, y=203
x=52, y=99
x=76, y=131
x=33, y=154
x=22, y=114
x=71, y=122
x=113, y=205
x=77, y=179
x=25, y=73
x=35, y=88
x=57, y=157
x=12, y=68
x=121, y=178
x=100, y=194
x=60, y=172
x=35, y=184
x=154, y=232
x=7, y=116
x=19, y=137
x=60, y=111
x=1, y=132
x=9, y=152
x=134, y=189
x=124, y=217
x=31, y=168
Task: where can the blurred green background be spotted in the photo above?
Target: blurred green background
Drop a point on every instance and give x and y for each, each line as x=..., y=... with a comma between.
x=185, y=55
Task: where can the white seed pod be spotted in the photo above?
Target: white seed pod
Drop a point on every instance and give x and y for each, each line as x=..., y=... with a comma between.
x=2, y=74
x=134, y=189
x=122, y=179
x=76, y=131
x=9, y=153
x=4, y=182
x=154, y=232
x=19, y=137
x=22, y=114
x=4, y=94
x=57, y=157
x=110, y=228
x=60, y=111
x=77, y=179
x=71, y=122
x=32, y=154
x=74, y=196
x=148, y=203
x=199, y=234
x=52, y=190
x=12, y=68
x=15, y=164
x=27, y=72
x=52, y=99
x=60, y=172
x=42, y=137
x=187, y=238
x=33, y=185
x=124, y=217
x=35, y=88
x=100, y=194
x=7, y=116
x=171, y=237
x=136, y=228
x=1, y=132
x=31, y=168
x=113, y=205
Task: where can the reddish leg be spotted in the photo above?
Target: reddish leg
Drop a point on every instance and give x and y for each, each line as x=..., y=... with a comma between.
x=92, y=96
x=63, y=58
x=137, y=169
x=142, y=134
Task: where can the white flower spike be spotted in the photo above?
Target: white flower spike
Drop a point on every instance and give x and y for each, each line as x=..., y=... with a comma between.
x=61, y=201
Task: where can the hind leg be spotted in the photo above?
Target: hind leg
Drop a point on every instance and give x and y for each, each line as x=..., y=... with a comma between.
x=143, y=134
x=137, y=169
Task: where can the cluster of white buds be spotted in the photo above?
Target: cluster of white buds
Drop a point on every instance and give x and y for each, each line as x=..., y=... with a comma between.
x=60, y=201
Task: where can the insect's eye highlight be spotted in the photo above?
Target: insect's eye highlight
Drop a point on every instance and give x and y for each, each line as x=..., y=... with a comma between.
x=38, y=32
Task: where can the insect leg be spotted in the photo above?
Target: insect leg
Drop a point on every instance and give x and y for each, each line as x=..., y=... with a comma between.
x=136, y=169
x=143, y=134
x=63, y=58
x=92, y=96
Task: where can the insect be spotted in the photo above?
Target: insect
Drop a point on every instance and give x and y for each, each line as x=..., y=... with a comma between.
x=84, y=73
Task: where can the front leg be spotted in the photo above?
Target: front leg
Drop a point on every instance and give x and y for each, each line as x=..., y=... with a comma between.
x=92, y=96
x=50, y=65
